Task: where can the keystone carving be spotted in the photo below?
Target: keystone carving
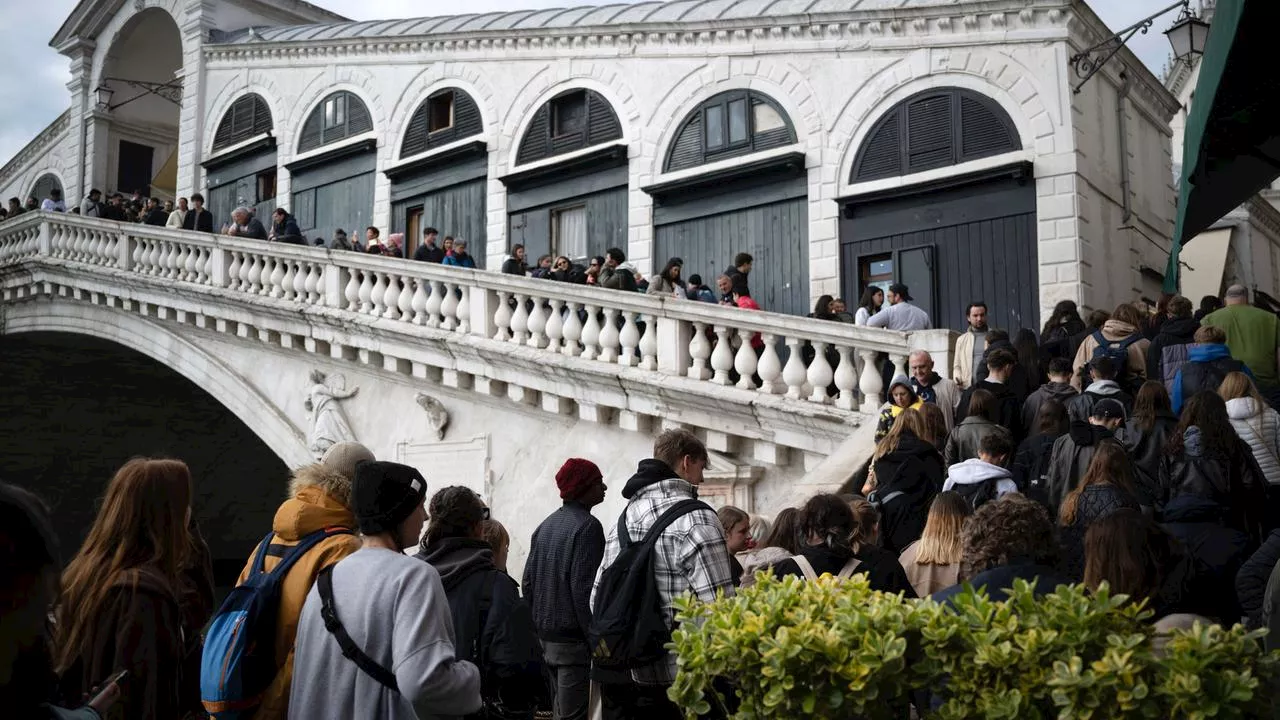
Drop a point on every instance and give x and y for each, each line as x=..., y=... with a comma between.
x=436, y=414
x=329, y=424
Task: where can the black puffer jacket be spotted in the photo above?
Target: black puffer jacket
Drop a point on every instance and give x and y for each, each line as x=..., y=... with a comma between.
x=1072, y=454
x=1218, y=553
x=1178, y=331
x=1233, y=481
x=1031, y=466
x=906, y=481
x=1146, y=447
x=1095, y=503
x=502, y=642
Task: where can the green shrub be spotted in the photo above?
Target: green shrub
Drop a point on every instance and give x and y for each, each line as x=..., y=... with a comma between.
x=832, y=649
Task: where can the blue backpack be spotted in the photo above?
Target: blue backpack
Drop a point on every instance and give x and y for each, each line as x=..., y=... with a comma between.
x=239, y=660
x=1117, y=350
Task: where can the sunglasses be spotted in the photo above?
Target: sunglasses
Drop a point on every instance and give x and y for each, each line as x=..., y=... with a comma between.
x=484, y=514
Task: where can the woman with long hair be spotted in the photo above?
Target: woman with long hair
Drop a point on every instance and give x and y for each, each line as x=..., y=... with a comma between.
x=1107, y=486
x=935, y=425
x=982, y=420
x=1031, y=463
x=870, y=303
x=901, y=397
x=668, y=281
x=1146, y=434
x=1255, y=422
x=121, y=606
x=822, y=308
x=906, y=474
x=840, y=538
x=782, y=542
x=1027, y=349
x=1134, y=556
x=933, y=562
x=1063, y=324
x=737, y=526
x=1206, y=458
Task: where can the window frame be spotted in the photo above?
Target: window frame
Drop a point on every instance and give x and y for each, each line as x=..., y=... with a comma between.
x=724, y=101
x=558, y=102
x=556, y=241
x=266, y=180
x=338, y=102
x=448, y=96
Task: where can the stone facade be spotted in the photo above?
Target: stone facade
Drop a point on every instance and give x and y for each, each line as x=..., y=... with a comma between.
x=834, y=73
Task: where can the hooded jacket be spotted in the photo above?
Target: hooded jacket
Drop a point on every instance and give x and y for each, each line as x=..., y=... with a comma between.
x=889, y=413
x=1229, y=479
x=1081, y=406
x=315, y=505
x=963, y=442
x=1062, y=392
x=1134, y=372
x=501, y=641
x=1009, y=404
x=1146, y=447
x=690, y=555
x=966, y=476
x=914, y=470
x=1176, y=331
x=1218, y=552
x=1072, y=454
x=1260, y=429
x=1206, y=367
x=139, y=629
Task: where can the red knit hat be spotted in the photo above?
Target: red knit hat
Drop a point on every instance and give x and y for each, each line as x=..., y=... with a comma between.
x=576, y=476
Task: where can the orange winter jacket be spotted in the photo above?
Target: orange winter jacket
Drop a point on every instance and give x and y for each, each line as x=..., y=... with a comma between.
x=310, y=509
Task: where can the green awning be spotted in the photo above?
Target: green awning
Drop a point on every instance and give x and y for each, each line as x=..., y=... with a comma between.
x=1231, y=147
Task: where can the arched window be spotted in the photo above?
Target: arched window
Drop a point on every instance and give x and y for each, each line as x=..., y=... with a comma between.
x=573, y=120
x=738, y=122
x=47, y=182
x=934, y=129
x=247, y=117
x=445, y=116
x=339, y=116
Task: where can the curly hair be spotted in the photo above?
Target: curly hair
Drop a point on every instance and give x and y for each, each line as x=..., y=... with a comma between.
x=453, y=512
x=828, y=517
x=1012, y=527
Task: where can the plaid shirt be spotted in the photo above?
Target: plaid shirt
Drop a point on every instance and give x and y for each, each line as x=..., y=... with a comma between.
x=690, y=557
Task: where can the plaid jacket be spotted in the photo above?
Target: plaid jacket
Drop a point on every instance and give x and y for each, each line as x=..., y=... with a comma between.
x=690, y=557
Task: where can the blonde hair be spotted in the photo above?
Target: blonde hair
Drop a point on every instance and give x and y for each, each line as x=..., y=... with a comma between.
x=495, y=534
x=908, y=419
x=942, y=541
x=1237, y=385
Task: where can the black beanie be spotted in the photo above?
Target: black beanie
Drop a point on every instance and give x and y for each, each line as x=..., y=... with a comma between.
x=384, y=494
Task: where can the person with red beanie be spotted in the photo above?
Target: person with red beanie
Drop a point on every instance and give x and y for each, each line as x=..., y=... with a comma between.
x=564, y=555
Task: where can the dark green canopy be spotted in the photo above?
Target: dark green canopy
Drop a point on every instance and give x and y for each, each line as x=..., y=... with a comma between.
x=1231, y=145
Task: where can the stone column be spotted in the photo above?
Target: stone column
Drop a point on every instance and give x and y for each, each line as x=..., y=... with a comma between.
x=191, y=117
x=83, y=97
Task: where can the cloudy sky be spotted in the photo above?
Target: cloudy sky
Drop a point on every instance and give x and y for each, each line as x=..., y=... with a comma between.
x=33, y=83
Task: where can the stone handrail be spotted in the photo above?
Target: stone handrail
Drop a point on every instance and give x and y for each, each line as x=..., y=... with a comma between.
x=760, y=351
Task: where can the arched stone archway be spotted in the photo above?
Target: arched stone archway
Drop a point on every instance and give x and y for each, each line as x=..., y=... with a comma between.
x=141, y=74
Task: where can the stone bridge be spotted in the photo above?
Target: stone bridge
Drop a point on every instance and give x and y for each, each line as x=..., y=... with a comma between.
x=478, y=378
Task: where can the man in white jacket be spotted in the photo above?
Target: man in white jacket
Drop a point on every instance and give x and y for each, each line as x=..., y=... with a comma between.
x=390, y=612
x=970, y=346
x=178, y=215
x=984, y=478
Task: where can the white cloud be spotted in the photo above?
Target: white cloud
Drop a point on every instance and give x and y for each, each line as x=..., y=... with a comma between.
x=33, y=85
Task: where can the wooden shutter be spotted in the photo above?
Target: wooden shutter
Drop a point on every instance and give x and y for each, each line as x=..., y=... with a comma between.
x=929, y=133
x=247, y=117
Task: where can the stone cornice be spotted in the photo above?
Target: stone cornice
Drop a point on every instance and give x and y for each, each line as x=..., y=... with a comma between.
x=1264, y=214
x=1037, y=20
x=37, y=145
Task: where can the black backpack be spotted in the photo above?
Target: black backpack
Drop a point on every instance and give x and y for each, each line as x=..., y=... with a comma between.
x=628, y=628
x=977, y=494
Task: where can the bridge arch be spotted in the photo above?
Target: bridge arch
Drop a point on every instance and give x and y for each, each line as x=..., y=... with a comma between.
x=173, y=351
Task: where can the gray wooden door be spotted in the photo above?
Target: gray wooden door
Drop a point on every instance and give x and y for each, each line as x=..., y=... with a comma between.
x=346, y=204
x=981, y=245
x=606, y=218
x=457, y=211
x=775, y=235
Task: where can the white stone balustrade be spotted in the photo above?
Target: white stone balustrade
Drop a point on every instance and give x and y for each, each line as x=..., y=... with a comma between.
x=803, y=359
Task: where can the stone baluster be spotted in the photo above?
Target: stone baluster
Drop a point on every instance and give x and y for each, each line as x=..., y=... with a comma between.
x=250, y=273
x=745, y=362
x=378, y=294
x=649, y=344
x=313, y=283
x=139, y=252
x=537, y=324
x=151, y=258
x=520, y=320
x=276, y=278
x=871, y=383
x=846, y=380
x=722, y=356
x=770, y=367
x=391, y=298
x=699, y=353
x=164, y=250
x=820, y=373
x=405, y=301
x=794, y=373
x=899, y=364
x=591, y=333
x=464, y=311
x=449, y=307
x=572, y=330
x=609, y=336
x=434, y=300
x=502, y=317
x=352, y=291
x=555, y=326
x=233, y=270
x=155, y=261
x=366, y=290
x=628, y=338
x=287, y=289
x=179, y=259
x=299, y=284
x=192, y=264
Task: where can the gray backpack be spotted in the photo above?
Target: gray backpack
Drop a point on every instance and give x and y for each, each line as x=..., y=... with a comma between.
x=1172, y=358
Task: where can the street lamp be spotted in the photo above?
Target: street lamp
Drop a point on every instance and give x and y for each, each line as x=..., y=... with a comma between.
x=104, y=94
x=1187, y=36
